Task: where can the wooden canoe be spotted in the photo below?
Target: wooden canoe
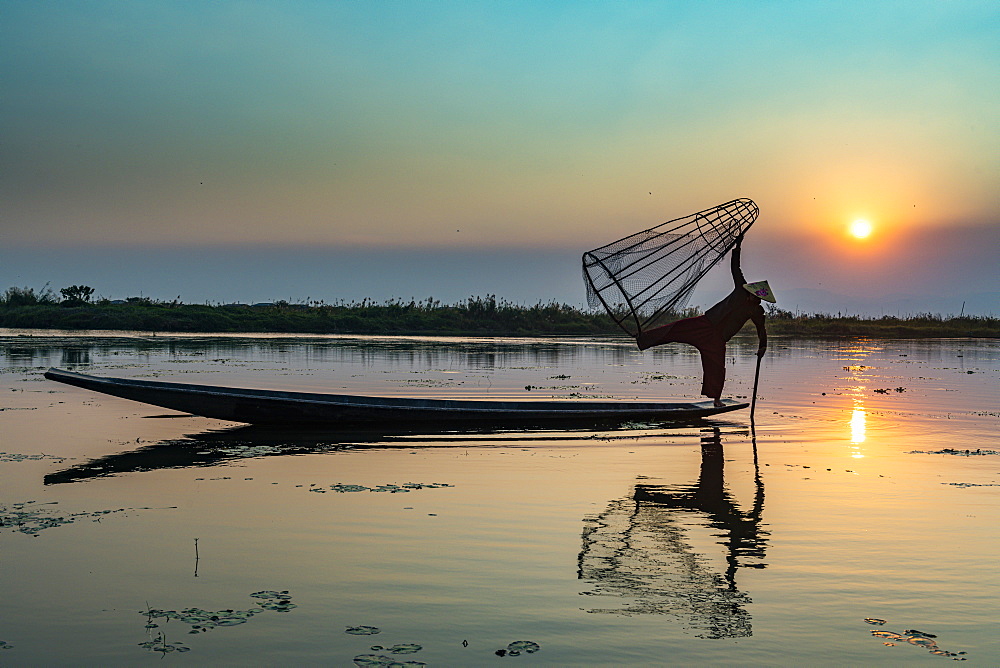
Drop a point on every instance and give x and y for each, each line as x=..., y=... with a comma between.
x=276, y=407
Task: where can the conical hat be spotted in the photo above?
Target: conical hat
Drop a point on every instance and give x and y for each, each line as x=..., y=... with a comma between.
x=762, y=290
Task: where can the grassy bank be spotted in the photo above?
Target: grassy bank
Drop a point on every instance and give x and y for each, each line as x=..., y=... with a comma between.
x=487, y=316
x=475, y=316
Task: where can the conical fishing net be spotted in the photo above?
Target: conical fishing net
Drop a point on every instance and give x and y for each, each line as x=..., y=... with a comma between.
x=647, y=278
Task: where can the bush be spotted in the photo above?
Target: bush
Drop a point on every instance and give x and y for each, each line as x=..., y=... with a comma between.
x=26, y=296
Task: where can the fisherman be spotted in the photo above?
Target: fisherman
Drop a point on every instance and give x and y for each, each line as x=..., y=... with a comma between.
x=709, y=333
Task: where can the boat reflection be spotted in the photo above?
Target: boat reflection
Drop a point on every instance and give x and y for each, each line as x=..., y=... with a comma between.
x=641, y=550
x=212, y=448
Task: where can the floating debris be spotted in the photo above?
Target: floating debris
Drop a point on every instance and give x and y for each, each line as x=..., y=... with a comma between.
x=912, y=637
x=18, y=457
x=390, y=488
x=363, y=630
x=951, y=451
x=366, y=660
x=647, y=377
x=250, y=450
x=31, y=517
x=972, y=484
x=5, y=645
x=914, y=632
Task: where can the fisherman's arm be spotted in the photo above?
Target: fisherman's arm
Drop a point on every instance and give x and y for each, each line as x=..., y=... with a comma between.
x=738, y=277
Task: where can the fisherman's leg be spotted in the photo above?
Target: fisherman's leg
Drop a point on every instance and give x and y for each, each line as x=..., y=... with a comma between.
x=681, y=331
x=713, y=366
x=655, y=337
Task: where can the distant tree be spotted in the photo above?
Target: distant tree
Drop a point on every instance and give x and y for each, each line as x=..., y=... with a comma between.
x=26, y=296
x=77, y=294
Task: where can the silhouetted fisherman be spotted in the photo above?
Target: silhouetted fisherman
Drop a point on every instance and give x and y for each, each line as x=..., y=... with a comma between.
x=710, y=332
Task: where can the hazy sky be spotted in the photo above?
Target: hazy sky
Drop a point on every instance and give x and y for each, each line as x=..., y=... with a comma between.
x=504, y=127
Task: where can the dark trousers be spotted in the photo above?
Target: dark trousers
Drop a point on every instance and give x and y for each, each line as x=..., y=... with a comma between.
x=703, y=335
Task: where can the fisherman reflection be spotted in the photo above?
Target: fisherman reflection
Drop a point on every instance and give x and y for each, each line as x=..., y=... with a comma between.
x=73, y=357
x=640, y=549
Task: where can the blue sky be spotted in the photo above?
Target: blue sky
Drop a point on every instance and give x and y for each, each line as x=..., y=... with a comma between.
x=508, y=127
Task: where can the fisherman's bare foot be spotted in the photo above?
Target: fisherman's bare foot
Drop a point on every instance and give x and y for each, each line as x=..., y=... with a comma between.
x=718, y=403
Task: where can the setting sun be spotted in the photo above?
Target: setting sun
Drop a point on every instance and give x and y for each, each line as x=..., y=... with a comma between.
x=861, y=228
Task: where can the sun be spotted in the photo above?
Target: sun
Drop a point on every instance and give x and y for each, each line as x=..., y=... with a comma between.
x=860, y=228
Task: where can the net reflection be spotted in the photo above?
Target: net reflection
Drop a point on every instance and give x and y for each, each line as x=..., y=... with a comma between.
x=640, y=550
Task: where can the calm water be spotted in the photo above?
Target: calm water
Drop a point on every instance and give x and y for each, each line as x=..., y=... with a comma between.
x=129, y=531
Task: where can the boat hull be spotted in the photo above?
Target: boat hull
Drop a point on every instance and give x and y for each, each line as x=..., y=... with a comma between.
x=277, y=407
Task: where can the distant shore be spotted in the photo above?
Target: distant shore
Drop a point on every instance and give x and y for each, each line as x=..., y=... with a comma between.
x=476, y=316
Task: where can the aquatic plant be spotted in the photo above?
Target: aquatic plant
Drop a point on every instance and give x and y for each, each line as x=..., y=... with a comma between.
x=18, y=457
x=202, y=621
x=391, y=488
x=31, y=517
x=912, y=637
x=518, y=646
x=160, y=644
x=380, y=660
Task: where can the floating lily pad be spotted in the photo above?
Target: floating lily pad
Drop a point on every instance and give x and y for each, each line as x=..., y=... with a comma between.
x=972, y=484
x=231, y=621
x=405, y=648
x=31, y=517
x=160, y=644
x=282, y=595
x=914, y=637
x=340, y=487
x=278, y=606
x=914, y=632
x=952, y=451
x=18, y=457
x=390, y=488
x=363, y=630
x=526, y=646
x=202, y=620
x=922, y=641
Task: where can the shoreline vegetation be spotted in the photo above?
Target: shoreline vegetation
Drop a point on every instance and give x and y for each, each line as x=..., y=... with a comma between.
x=26, y=308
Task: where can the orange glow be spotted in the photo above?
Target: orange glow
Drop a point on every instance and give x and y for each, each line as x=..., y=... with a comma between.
x=860, y=228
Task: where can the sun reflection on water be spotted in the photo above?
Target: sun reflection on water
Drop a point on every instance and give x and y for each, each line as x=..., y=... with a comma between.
x=858, y=427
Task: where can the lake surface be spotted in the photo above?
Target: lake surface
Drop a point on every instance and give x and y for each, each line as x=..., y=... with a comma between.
x=868, y=490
